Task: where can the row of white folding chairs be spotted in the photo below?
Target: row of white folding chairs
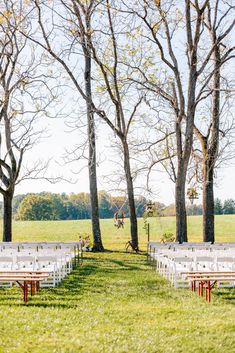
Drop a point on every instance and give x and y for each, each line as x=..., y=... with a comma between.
x=73, y=250
x=196, y=262
x=74, y=247
x=58, y=266
x=186, y=252
x=179, y=265
x=156, y=246
x=190, y=252
x=36, y=244
x=156, y=243
x=29, y=251
x=163, y=256
x=59, y=254
x=172, y=268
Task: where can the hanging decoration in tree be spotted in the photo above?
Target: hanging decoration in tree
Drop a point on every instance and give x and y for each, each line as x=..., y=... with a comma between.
x=192, y=194
x=119, y=219
x=149, y=209
x=148, y=212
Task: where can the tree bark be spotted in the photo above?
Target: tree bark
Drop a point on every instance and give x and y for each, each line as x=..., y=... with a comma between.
x=180, y=207
x=7, y=217
x=97, y=245
x=131, y=198
x=97, y=241
x=208, y=203
x=210, y=154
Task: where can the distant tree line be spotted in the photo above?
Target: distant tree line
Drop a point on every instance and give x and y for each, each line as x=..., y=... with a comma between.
x=52, y=206
x=220, y=208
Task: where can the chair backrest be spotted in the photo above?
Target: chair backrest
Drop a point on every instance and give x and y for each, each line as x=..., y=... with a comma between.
x=47, y=261
x=225, y=259
x=204, y=259
x=6, y=259
x=25, y=261
x=205, y=262
x=182, y=259
x=6, y=262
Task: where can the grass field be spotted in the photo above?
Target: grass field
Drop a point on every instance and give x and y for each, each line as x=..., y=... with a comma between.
x=115, y=302
x=114, y=238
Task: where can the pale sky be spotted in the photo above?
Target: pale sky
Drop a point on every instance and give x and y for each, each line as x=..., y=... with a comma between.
x=60, y=139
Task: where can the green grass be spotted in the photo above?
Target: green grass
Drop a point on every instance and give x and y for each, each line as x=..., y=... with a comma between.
x=114, y=238
x=115, y=302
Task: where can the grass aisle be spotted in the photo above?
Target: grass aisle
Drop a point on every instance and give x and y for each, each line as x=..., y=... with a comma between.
x=116, y=303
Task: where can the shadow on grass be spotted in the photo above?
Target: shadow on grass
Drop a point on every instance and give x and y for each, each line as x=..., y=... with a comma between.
x=226, y=294
x=91, y=278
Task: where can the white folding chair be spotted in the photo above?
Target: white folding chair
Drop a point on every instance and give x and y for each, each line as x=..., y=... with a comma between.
x=177, y=266
x=25, y=262
x=6, y=263
x=204, y=263
x=49, y=263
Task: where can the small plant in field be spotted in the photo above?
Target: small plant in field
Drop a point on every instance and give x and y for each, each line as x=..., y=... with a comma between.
x=167, y=237
x=83, y=235
x=85, y=241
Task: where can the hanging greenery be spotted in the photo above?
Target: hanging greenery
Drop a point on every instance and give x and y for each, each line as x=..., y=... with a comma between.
x=192, y=194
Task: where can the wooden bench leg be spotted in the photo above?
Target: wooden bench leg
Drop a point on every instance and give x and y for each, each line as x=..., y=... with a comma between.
x=25, y=291
x=208, y=292
x=193, y=284
x=37, y=286
x=33, y=286
x=200, y=288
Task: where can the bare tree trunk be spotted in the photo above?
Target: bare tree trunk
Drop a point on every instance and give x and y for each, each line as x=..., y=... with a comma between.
x=180, y=208
x=208, y=203
x=97, y=245
x=7, y=216
x=182, y=163
x=210, y=155
x=131, y=198
x=97, y=241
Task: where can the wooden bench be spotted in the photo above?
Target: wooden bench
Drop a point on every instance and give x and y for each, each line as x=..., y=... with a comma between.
x=25, y=279
x=207, y=280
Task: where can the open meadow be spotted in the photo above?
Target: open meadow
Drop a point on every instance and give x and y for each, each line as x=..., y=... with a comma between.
x=115, y=302
x=114, y=238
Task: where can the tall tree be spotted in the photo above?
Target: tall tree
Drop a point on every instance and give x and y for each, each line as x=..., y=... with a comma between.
x=179, y=70
x=78, y=23
x=180, y=98
x=79, y=35
x=120, y=112
x=84, y=25
x=219, y=23
x=18, y=112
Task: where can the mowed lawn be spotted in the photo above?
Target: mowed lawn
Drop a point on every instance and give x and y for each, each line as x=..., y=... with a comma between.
x=114, y=238
x=115, y=302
